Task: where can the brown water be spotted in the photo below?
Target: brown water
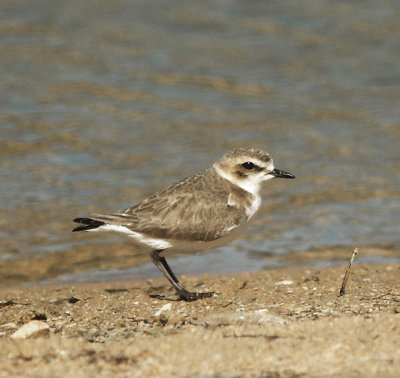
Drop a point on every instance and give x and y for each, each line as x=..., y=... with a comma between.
x=102, y=103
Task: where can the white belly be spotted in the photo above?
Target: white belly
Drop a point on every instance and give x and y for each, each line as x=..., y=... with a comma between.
x=198, y=246
x=149, y=243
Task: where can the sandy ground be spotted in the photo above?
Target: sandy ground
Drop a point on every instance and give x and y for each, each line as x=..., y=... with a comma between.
x=277, y=323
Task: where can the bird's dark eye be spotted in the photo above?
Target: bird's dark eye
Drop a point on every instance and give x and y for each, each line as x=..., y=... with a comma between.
x=248, y=165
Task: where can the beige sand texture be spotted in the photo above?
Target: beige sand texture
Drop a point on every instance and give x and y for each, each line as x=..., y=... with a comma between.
x=277, y=323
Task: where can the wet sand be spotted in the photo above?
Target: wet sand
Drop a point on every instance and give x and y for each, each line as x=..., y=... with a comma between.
x=83, y=263
x=278, y=323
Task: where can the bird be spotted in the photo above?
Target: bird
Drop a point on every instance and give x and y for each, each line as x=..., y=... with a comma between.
x=201, y=212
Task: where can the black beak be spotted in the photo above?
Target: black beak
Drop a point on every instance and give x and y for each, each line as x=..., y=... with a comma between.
x=281, y=174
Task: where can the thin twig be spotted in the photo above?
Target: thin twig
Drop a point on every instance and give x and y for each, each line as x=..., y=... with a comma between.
x=346, y=276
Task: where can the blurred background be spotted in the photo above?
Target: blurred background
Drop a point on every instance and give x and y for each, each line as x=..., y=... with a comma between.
x=104, y=102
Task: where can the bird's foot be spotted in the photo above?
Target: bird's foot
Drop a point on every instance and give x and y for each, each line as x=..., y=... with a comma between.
x=192, y=296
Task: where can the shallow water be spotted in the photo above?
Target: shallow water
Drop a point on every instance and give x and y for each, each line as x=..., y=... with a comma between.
x=103, y=103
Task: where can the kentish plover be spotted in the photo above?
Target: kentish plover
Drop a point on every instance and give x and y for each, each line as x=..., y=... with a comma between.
x=201, y=212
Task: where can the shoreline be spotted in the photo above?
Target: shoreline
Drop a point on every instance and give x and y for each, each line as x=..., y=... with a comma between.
x=51, y=268
x=285, y=322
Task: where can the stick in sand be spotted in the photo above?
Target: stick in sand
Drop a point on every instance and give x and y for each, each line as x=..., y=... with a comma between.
x=346, y=276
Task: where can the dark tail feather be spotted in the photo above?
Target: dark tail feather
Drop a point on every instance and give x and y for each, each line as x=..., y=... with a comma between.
x=87, y=224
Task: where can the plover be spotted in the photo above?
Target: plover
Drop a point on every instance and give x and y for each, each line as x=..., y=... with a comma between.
x=202, y=212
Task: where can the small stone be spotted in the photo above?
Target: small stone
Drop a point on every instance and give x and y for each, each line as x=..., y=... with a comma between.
x=166, y=307
x=33, y=329
x=73, y=300
x=8, y=326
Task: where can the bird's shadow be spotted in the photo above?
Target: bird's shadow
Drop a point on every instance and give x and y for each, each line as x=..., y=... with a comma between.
x=164, y=298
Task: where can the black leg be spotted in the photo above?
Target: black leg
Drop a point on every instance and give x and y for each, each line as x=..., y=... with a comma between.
x=161, y=263
x=169, y=270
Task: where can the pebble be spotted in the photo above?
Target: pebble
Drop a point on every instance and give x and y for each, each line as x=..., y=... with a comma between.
x=8, y=326
x=166, y=307
x=33, y=329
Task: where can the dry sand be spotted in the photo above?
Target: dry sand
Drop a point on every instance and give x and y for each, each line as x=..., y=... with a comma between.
x=277, y=323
